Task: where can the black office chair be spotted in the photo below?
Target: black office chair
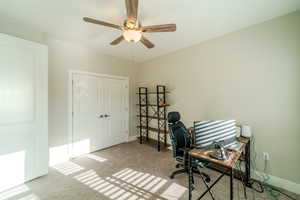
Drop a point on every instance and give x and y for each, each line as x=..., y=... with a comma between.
x=181, y=141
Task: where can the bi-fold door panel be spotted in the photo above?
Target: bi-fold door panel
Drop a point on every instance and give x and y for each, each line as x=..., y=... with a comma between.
x=116, y=101
x=88, y=102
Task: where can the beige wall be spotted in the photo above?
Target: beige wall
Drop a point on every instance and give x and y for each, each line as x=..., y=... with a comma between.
x=252, y=76
x=65, y=56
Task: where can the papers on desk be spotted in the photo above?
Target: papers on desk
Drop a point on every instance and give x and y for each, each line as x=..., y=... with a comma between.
x=235, y=147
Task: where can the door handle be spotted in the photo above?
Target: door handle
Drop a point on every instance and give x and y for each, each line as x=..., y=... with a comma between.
x=106, y=115
x=100, y=116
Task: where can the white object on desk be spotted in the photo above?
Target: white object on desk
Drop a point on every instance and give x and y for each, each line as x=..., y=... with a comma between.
x=238, y=131
x=246, y=131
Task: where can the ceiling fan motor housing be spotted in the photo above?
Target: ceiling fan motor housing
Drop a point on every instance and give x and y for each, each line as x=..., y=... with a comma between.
x=131, y=24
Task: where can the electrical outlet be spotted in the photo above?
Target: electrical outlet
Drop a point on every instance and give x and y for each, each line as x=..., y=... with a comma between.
x=266, y=156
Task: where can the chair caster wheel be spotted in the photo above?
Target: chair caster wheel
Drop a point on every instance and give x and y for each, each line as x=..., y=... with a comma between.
x=172, y=177
x=207, y=180
x=193, y=187
x=177, y=166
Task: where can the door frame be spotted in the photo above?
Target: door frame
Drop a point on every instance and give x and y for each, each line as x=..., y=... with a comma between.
x=70, y=101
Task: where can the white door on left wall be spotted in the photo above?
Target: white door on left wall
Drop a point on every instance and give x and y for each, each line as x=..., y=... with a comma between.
x=23, y=111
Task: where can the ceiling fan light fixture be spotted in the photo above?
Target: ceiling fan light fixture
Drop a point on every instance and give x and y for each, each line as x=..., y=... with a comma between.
x=132, y=35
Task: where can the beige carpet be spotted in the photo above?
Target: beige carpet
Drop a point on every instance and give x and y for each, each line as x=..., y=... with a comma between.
x=125, y=172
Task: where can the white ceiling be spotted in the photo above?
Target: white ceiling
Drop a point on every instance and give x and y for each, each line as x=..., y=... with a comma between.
x=197, y=20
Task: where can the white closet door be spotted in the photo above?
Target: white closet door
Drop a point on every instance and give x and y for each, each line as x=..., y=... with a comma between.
x=23, y=111
x=116, y=110
x=88, y=103
x=100, y=112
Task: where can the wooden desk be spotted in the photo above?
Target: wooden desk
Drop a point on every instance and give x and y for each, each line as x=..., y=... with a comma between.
x=203, y=154
x=227, y=166
x=243, y=176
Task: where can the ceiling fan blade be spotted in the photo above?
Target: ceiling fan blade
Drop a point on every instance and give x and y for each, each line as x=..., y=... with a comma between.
x=132, y=9
x=118, y=40
x=147, y=43
x=94, y=21
x=159, y=28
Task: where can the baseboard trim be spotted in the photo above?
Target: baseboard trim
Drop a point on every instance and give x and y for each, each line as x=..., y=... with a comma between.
x=282, y=183
x=132, y=138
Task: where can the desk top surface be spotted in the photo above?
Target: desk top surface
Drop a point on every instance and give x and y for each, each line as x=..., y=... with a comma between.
x=203, y=154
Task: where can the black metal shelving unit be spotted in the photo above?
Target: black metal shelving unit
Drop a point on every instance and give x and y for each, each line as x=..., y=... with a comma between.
x=143, y=116
x=159, y=112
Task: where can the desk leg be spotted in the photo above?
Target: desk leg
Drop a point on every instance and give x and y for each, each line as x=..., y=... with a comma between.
x=247, y=165
x=190, y=180
x=231, y=184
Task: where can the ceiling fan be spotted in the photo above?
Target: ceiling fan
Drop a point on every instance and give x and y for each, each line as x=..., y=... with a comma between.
x=132, y=29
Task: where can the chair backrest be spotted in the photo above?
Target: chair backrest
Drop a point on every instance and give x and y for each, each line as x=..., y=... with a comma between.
x=206, y=132
x=179, y=135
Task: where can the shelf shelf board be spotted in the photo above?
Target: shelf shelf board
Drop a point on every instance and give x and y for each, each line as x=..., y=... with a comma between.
x=151, y=117
x=153, y=129
x=167, y=92
x=160, y=105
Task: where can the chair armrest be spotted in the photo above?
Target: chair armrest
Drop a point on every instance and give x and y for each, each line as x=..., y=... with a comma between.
x=185, y=149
